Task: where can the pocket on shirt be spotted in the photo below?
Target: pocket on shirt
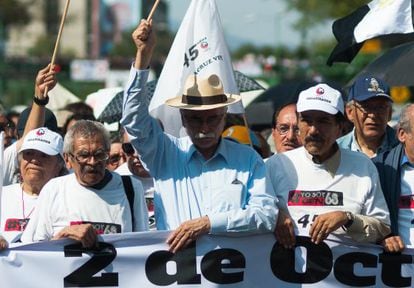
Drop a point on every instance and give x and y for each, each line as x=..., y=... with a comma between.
x=228, y=196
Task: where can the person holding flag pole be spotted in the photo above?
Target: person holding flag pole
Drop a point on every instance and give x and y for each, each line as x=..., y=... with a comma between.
x=202, y=183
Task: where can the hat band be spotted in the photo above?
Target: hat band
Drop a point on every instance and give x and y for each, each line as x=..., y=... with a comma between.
x=204, y=100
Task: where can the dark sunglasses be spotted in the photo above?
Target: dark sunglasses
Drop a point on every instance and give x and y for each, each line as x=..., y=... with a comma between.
x=6, y=126
x=128, y=148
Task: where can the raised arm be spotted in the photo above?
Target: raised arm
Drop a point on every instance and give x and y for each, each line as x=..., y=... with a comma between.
x=142, y=129
x=36, y=117
x=144, y=40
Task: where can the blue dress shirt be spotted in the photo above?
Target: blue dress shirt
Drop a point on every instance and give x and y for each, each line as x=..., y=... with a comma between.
x=229, y=187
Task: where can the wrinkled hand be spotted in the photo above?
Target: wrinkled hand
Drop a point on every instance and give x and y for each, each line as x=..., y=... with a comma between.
x=45, y=79
x=188, y=232
x=326, y=223
x=284, y=231
x=144, y=39
x=393, y=244
x=83, y=233
x=3, y=243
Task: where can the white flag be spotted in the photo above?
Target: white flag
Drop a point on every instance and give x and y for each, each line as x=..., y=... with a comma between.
x=385, y=17
x=199, y=47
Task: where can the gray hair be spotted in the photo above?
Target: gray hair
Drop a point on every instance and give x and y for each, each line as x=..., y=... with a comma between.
x=404, y=121
x=86, y=129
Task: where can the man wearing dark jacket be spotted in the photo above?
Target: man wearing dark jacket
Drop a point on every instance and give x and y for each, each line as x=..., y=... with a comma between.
x=396, y=171
x=369, y=108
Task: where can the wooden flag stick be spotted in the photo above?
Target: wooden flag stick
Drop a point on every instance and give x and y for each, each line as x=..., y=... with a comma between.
x=248, y=130
x=62, y=23
x=153, y=10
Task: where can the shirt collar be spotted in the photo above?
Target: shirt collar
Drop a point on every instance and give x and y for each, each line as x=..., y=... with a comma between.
x=405, y=161
x=331, y=164
x=221, y=151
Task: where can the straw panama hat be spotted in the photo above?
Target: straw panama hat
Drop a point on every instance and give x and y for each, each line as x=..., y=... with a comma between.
x=203, y=94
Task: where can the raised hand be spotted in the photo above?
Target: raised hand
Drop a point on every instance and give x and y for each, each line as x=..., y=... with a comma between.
x=144, y=39
x=45, y=79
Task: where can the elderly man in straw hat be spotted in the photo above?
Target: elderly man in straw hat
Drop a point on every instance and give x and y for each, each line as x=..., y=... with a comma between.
x=204, y=184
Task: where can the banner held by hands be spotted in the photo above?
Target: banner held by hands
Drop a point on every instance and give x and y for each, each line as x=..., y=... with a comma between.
x=62, y=23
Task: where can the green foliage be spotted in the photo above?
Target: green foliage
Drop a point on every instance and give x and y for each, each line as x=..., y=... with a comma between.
x=126, y=47
x=44, y=46
x=339, y=72
x=244, y=50
x=315, y=12
x=14, y=12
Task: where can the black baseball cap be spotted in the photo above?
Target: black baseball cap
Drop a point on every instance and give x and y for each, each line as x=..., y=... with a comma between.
x=50, y=121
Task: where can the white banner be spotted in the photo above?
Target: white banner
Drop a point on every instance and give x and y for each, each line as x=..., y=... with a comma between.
x=142, y=260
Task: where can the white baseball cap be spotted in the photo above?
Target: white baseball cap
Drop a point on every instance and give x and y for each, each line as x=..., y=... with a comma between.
x=322, y=98
x=43, y=140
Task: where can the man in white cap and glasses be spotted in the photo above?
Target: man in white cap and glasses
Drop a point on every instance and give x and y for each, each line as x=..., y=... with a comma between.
x=91, y=200
x=204, y=184
x=324, y=189
x=40, y=159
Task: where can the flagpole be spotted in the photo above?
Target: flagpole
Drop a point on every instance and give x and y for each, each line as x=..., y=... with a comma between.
x=154, y=7
x=62, y=23
x=248, y=130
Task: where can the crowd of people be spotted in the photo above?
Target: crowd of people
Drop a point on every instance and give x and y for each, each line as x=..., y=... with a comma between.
x=77, y=181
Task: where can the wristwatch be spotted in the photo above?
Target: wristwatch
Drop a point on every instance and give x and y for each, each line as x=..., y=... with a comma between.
x=41, y=102
x=350, y=218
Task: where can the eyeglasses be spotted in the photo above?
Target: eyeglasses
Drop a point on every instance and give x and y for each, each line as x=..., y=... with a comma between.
x=196, y=121
x=114, y=159
x=284, y=129
x=128, y=148
x=83, y=156
x=370, y=108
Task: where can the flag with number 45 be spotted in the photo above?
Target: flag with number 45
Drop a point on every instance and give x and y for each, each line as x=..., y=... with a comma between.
x=198, y=48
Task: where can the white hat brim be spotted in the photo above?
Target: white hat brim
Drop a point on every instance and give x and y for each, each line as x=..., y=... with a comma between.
x=320, y=106
x=39, y=146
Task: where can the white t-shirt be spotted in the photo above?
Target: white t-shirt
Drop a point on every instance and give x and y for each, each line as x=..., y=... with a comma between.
x=308, y=189
x=64, y=202
x=10, y=165
x=406, y=206
x=13, y=218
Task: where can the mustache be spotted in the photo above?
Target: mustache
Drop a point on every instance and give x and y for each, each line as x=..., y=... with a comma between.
x=314, y=139
x=202, y=135
x=89, y=169
x=291, y=143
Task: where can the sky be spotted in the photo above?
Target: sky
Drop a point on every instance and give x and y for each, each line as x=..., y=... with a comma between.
x=260, y=22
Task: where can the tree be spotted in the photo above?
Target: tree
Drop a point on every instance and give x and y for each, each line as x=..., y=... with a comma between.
x=126, y=48
x=12, y=12
x=315, y=12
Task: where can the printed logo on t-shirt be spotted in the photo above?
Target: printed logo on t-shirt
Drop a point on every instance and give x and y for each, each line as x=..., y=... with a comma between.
x=315, y=198
x=406, y=202
x=101, y=227
x=15, y=224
